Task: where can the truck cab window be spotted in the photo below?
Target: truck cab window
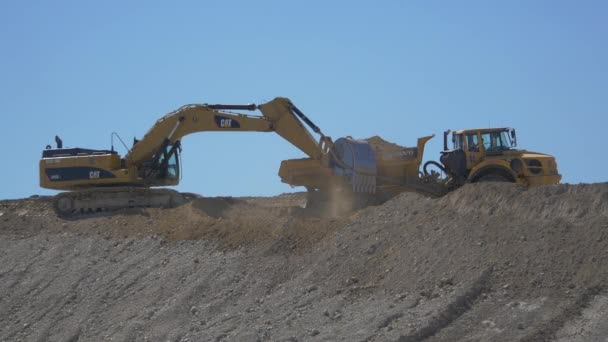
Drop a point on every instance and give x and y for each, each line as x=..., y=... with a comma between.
x=458, y=145
x=496, y=141
x=473, y=142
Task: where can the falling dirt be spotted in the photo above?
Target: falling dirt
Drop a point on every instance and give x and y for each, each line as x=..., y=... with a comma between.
x=488, y=262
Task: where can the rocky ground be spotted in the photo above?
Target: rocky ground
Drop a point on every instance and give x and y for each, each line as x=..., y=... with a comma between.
x=488, y=262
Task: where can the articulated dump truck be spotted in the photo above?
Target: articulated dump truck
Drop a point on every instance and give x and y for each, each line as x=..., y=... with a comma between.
x=355, y=173
x=343, y=175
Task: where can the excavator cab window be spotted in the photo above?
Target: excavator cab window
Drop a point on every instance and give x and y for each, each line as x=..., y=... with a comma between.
x=173, y=166
x=169, y=162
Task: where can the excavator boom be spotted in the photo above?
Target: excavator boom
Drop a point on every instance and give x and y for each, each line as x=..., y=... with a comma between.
x=278, y=116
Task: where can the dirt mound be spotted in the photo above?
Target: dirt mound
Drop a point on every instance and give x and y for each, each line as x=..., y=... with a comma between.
x=488, y=262
x=560, y=201
x=378, y=143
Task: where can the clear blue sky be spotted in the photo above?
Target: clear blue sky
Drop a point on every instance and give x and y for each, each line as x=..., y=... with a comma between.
x=399, y=69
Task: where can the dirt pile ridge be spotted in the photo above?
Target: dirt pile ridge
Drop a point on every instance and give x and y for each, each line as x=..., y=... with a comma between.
x=488, y=262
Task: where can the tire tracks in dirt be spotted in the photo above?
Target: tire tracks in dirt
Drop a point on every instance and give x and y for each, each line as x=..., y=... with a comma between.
x=456, y=308
x=548, y=330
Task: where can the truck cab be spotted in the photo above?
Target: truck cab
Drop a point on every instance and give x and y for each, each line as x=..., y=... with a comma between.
x=490, y=154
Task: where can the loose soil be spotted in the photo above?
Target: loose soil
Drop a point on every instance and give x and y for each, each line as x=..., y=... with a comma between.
x=488, y=262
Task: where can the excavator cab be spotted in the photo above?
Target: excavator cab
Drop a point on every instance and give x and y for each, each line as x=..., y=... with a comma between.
x=164, y=168
x=170, y=163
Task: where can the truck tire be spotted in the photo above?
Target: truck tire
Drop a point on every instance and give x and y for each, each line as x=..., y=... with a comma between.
x=492, y=177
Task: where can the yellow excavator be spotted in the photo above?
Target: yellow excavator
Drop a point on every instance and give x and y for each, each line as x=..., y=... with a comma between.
x=103, y=180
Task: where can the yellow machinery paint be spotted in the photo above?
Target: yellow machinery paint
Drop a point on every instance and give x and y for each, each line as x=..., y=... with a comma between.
x=370, y=170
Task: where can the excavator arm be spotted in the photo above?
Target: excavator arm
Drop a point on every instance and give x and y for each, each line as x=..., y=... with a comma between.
x=287, y=122
x=278, y=115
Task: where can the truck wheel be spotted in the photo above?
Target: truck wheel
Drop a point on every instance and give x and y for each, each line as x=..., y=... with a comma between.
x=492, y=177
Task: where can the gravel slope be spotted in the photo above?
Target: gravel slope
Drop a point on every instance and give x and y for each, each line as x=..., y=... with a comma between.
x=488, y=262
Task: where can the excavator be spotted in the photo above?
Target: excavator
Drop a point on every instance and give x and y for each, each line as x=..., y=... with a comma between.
x=103, y=180
x=342, y=175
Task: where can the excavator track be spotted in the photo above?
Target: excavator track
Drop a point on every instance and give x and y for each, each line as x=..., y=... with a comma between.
x=115, y=198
